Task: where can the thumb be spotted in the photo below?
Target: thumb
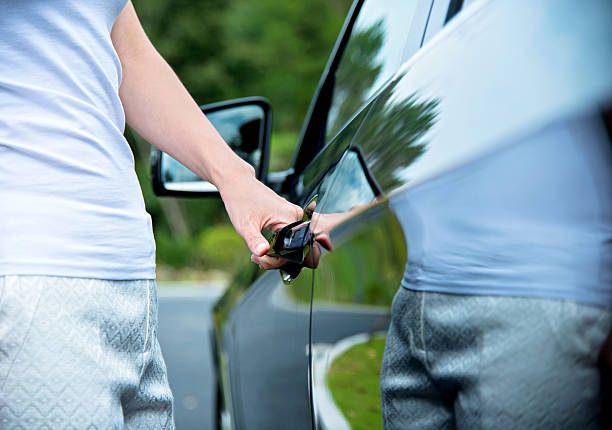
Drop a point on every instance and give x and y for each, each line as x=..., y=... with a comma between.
x=257, y=244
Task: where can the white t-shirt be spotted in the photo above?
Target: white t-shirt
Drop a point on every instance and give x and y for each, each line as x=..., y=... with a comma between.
x=70, y=202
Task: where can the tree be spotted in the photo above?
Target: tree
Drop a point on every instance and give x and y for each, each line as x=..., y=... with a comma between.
x=279, y=50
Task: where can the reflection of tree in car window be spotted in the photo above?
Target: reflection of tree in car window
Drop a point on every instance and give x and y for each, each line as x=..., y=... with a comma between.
x=392, y=136
x=357, y=73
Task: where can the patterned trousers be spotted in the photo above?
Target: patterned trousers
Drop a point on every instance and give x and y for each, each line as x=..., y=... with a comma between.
x=81, y=354
x=484, y=362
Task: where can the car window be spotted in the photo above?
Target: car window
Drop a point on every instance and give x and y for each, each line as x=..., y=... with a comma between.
x=351, y=186
x=372, y=55
x=375, y=39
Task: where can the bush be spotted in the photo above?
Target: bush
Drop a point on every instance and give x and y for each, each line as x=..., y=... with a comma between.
x=219, y=247
x=174, y=252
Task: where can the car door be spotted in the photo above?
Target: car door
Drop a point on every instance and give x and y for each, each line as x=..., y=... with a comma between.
x=431, y=130
x=263, y=328
x=355, y=282
x=349, y=307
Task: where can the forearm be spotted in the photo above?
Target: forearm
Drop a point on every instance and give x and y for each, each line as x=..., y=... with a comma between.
x=160, y=109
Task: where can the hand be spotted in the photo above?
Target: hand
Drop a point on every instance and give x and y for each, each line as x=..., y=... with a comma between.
x=321, y=226
x=268, y=262
x=253, y=207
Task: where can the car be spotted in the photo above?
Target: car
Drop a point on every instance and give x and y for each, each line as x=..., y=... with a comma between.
x=417, y=98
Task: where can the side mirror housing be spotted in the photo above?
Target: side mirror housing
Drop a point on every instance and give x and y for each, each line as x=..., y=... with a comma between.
x=244, y=124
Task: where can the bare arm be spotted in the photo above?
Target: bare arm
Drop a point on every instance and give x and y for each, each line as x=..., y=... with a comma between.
x=161, y=110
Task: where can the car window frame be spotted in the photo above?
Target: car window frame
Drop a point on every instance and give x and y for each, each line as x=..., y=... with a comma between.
x=312, y=136
x=434, y=15
x=316, y=117
x=442, y=11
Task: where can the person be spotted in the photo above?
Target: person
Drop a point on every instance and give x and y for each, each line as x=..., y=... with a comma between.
x=78, y=307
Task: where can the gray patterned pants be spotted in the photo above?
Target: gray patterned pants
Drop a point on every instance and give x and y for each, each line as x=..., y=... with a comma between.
x=81, y=354
x=482, y=362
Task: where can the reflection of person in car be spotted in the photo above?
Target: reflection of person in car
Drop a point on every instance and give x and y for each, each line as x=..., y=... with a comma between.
x=78, y=345
x=510, y=330
x=505, y=301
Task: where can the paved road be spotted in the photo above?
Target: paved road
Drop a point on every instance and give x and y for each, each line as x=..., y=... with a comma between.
x=184, y=323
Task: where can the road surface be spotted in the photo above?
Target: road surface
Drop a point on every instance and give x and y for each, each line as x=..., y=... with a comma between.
x=184, y=325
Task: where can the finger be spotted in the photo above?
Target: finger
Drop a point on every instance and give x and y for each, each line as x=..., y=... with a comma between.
x=257, y=244
x=309, y=210
x=267, y=262
x=298, y=212
x=256, y=259
x=279, y=220
x=312, y=259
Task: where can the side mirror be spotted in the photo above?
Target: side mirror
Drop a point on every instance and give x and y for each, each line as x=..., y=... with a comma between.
x=243, y=123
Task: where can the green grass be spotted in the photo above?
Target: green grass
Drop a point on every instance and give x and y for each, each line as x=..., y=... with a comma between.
x=354, y=380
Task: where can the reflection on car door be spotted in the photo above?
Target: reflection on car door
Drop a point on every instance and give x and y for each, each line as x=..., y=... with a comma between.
x=418, y=142
x=354, y=284
x=264, y=342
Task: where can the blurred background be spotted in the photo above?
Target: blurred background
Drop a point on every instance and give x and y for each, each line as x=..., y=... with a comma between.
x=223, y=49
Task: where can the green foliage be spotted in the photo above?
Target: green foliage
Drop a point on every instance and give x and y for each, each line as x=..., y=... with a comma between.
x=279, y=49
x=366, y=269
x=357, y=73
x=174, y=252
x=190, y=35
x=282, y=145
x=219, y=247
x=395, y=134
x=233, y=48
x=216, y=248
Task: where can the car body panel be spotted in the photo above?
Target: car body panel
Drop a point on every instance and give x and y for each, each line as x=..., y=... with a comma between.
x=535, y=96
x=266, y=382
x=354, y=287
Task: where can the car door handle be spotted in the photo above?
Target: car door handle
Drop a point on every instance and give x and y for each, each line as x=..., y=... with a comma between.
x=293, y=243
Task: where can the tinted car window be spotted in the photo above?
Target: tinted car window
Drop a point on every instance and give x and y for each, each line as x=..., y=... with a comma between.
x=350, y=186
x=371, y=57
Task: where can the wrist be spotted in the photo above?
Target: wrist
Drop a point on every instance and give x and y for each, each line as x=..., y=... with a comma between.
x=233, y=174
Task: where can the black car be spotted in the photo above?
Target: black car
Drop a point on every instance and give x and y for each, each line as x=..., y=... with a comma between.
x=416, y=97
